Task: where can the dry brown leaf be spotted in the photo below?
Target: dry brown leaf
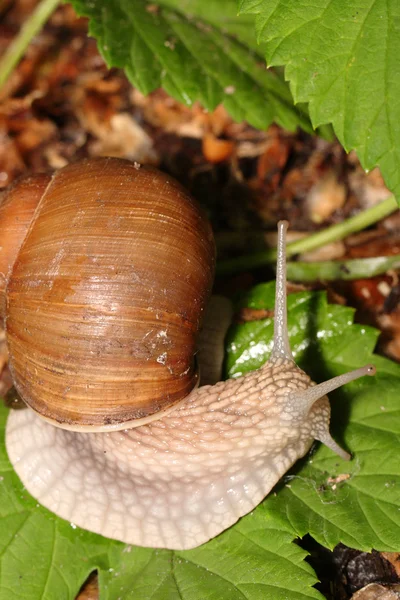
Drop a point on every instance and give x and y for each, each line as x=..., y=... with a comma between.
x=216, y=150
x=325, y=197
x=375, y=591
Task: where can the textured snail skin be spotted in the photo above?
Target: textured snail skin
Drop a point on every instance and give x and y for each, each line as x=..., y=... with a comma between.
x=176, y=482
x=180, y=481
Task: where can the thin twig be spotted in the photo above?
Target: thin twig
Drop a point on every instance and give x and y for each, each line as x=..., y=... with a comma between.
x=316, y=240
x=22, y=40
x=332, y=270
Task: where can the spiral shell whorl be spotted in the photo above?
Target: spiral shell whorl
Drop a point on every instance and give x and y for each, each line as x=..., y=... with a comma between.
x=17, y=207
x=106, y=296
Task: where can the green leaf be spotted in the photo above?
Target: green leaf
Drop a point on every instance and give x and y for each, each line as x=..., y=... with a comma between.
x=222, y=15
x=195, y=55
x=342, y=58
x=357, y=503
x=42, y=556
x=361, y=508
x=243, y=563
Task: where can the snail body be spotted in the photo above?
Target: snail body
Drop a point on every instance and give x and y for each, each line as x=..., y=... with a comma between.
x=189, y=471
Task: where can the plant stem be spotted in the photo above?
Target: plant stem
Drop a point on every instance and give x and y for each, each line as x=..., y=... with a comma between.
x=333, y=270
x=313, y=241
x=20, y=43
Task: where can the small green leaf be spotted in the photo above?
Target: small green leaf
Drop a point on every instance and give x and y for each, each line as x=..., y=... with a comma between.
x=195, y=55
x=222, y=15
x=357, y=503
x=342, y=58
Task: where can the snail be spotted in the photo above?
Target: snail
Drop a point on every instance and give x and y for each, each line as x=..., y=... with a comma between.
x=107, y=271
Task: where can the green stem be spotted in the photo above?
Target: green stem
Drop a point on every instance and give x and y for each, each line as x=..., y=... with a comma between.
x=347, y=270
x=20, y=43
x=321, y=238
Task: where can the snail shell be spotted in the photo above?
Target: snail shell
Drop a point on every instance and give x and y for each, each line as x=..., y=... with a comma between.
x=107, y=271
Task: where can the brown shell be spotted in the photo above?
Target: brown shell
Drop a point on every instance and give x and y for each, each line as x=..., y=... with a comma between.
x=106, y=296
x=17, y=207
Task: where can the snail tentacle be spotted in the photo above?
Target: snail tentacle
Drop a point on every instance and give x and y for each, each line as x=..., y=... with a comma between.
x=299, y=404
x=281, y=348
